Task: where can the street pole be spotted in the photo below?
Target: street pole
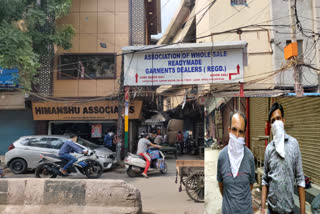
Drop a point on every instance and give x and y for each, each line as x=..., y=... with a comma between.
x=120, y=118
x=126, y=117
x=316, y=27
x=297, y=71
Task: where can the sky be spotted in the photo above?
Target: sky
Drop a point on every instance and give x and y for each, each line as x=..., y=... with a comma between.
x=168, y=9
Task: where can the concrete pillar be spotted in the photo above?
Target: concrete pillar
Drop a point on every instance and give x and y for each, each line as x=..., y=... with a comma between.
x=213, y=198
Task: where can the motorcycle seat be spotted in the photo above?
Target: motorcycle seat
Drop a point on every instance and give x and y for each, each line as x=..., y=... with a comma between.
x=139, y=156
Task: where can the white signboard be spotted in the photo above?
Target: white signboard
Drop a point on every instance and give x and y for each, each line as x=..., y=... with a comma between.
x=184, y=64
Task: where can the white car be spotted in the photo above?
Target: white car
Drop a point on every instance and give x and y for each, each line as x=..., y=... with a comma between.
x=24, y=153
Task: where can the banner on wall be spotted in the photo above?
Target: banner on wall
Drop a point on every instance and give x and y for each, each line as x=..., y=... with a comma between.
x=96, y=131
x=181, y=64
x=99, y=110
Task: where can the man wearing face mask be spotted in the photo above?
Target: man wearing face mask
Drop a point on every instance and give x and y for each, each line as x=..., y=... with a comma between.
x=235, y=170
x=282, y=168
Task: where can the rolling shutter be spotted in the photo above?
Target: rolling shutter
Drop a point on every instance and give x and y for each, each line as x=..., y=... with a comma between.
x=302, y=121
x=258, y=115
x=14, y=124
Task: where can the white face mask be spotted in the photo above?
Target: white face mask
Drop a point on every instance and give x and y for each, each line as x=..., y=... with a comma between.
x=235, y=153
x=277, y=129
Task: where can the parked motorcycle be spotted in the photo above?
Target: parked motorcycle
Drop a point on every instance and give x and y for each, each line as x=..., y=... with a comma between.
x=208, y=142
x=211, y=143
x=135, y=164
x=193, y=145
x=51, y=164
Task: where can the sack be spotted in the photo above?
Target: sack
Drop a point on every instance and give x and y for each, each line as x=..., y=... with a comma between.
x=307, y=181
x=154, y=154
x=160, y=163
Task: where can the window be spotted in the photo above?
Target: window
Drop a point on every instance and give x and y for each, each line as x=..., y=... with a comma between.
x=38, y=142
x=86, y=143
x=87, y=66
x=239, y=2
x=25, y=141
x=55, y=143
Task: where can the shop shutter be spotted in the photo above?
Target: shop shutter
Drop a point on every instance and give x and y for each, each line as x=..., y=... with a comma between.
x=258, y=111
x=302, y=121
x=15, y=123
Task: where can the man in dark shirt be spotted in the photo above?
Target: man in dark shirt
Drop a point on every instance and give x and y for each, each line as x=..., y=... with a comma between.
x=236, y=170
x=67, y=148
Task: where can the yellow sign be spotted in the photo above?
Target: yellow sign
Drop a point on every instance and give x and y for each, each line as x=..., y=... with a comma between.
x=100, y=110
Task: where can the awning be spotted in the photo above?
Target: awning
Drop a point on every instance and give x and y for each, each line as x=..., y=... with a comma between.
x=214, y=103
x=156, y=119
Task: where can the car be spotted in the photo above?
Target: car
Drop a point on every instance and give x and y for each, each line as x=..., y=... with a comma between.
x=24, y=153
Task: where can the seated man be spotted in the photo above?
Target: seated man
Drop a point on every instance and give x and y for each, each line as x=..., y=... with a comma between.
x=67, y=148
x=142, y=150
x=158, y=140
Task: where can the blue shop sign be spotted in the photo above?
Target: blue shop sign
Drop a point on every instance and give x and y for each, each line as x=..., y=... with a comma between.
x=9, y=78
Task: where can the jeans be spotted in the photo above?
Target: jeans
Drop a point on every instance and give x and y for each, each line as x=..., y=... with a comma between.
x=181, y=146
x=69, y=158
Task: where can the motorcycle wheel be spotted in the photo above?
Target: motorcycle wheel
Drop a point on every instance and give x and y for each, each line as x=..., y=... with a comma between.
x=131, y=173
x=93, y=170
x=43, y=172
x=165, y=169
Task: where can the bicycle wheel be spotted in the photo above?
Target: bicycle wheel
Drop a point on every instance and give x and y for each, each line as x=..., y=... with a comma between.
x=195, y=186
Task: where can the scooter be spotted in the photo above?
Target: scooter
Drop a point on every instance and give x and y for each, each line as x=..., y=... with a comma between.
x=50, y=165
x=135, y=164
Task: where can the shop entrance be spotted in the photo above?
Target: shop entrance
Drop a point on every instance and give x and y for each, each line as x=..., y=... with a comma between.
x=94, y=131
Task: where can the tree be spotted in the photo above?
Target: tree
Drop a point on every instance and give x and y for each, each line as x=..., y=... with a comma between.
x=21, y=41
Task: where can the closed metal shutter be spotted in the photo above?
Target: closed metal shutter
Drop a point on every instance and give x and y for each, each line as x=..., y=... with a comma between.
x=14, y=124
x=258, y=111
x=302, y=121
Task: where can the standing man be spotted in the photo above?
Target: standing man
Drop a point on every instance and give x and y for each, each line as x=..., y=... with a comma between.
x=142, y=150
x=67, y=148
x=236, y=170
x=282, y=168
x=180, y=141
x=108, y=141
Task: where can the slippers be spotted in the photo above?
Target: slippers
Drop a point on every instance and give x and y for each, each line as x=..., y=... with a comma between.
x=145, y=175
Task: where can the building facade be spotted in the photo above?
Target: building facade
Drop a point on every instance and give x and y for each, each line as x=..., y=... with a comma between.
x=87, y=74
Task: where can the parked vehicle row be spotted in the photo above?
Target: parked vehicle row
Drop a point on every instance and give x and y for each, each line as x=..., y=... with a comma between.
x=24, y=153
x=40, y=153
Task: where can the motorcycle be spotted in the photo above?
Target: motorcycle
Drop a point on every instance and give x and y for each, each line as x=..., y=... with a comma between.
x=208, y=142
x=193, y=146
x=135, y=164
x=50, y=165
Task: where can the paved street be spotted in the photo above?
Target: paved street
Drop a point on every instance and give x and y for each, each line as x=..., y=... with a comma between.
x=160, y=194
